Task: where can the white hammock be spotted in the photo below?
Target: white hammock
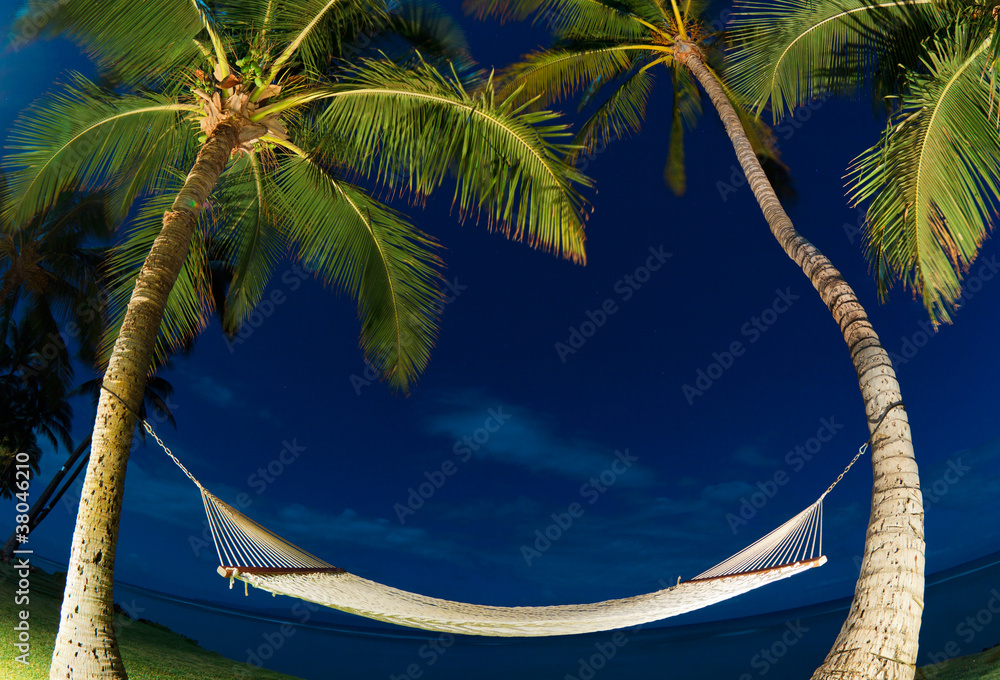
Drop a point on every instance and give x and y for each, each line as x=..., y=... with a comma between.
x=249, y=552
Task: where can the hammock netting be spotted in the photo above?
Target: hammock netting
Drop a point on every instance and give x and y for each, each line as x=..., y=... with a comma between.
x=249, y=552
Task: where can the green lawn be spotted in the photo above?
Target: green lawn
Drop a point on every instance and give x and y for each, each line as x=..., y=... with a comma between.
x=152, y=652
x=982, y=666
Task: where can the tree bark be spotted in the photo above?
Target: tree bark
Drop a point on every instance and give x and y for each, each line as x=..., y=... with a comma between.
x=879, y=637
x=86, y=646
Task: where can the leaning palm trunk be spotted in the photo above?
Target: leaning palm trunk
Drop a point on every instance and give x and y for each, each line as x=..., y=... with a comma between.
x=879, y=638
x=86, y=646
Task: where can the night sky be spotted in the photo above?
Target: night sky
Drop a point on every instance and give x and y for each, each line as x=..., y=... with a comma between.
x=546, y=373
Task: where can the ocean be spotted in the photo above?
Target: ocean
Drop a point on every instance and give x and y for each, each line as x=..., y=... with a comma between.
x=962, y=616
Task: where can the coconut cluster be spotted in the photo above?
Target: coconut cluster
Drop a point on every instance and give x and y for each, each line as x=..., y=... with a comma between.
x=239, y=106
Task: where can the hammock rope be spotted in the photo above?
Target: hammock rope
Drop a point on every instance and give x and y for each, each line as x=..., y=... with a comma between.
x=251, y=553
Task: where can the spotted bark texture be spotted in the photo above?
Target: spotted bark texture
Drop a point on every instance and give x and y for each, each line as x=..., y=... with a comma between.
x=879, y=638
x=85, y=645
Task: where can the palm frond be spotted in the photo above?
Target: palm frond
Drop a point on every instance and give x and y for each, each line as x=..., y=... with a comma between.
x=151, y=168
x=133, y=41
x=791, y=51
x=313, y=31
x=618, y=117
x=934, y=177
x=414, y=126
x=249, y=237
x=426, y=27
x=693, y=10
x=155, y=397
x=370, y=252
x=609, y=18
x=189, y=305
x=65, y=238
x=685, y=111
x=246, y=15
x=85, y=137
x=552, y=75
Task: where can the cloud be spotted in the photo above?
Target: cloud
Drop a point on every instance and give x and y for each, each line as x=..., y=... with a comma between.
x=968, y=480
x=212, y=391
x=726, y=492
x=752, y=457
x=164, y=493
x=207, y=388
x=500, y=431
x=518, y=509
x=349, y=528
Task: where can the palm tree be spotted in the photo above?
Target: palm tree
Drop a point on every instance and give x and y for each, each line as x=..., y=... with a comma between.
x=934, y=176
x=34, y=391
x=235, y=119
x=48, y=274
x=48, y=269
x=158, y=391
x=613, y=47
x=50, y=265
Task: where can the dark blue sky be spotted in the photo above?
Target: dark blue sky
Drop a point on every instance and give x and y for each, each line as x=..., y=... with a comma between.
x=678, y=281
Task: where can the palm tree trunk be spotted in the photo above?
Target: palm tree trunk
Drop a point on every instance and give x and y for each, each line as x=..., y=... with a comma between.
x=8, y=312
x=86, y=646
x=34, y=516
x=879, y=637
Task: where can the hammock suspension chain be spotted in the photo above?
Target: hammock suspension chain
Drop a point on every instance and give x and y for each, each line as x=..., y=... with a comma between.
x=258, y=557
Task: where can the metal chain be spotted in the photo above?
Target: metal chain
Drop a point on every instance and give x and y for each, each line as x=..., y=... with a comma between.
x=863, y=446
x=149, y=429
x=170, y=453
x=861, y=452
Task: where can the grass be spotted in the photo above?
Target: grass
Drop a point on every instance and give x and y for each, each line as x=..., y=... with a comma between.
x=153, y=652
x=150, y=651
x=982, y=666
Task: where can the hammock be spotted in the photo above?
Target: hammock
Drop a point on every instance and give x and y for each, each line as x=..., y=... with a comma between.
x=249, y=552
